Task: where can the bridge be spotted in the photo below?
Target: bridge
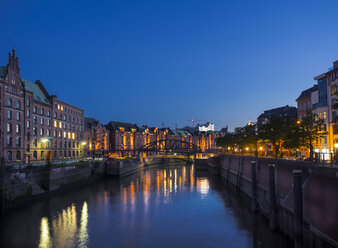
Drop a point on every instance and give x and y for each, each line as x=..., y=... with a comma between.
x=170, y=146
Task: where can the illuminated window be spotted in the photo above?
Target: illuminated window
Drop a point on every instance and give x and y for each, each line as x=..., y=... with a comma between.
x=73, y=135
x=60, y=124
x=55, y=124
x=69, y=135
x=64, y=134
x=324, y=115
x=61, y=108
x=58, y=106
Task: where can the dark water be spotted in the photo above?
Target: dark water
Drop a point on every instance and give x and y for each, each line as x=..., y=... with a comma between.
x=155, y=208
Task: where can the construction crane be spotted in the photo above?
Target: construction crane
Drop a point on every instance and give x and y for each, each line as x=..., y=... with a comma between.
x=193, y=120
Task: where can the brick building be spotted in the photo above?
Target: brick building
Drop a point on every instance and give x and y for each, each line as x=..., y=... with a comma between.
x=36, y=126
x=96, y=137
x=127, y=138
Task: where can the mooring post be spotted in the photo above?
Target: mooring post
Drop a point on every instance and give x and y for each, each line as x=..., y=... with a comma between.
x=254, y=186
x=272, y=196
x=298, y=208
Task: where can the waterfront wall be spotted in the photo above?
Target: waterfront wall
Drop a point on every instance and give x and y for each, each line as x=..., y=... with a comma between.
x=22, y=186
x=272, y=186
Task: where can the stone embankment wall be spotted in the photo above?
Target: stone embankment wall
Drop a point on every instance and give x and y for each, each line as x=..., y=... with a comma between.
x=22, y=186
x=275, y=185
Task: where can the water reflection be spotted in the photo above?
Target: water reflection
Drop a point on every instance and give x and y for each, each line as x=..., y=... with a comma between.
x=153, y=208
x=83, y=235
x=64, y=229
x=45, y=239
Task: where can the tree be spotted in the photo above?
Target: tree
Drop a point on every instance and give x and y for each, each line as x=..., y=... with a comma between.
x=292, y=138
x=311, y=131
x=274, y=132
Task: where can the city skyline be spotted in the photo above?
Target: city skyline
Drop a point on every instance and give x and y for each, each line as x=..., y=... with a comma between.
x=149, y=63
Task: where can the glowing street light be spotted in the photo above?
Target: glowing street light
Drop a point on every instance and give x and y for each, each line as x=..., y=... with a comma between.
x=247, y=148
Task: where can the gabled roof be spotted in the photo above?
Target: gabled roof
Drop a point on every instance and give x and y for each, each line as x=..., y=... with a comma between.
x=38, y=94
x=307, y=92
x=115, y=126
x=89, y=122
x=281, y=111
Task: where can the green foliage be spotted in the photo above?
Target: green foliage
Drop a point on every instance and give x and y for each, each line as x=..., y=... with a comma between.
x=311, y=131
x=282, y=132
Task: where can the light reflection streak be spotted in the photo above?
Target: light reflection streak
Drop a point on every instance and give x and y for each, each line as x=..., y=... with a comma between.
x=45, y=239
x=83, y=235
x=65, y=227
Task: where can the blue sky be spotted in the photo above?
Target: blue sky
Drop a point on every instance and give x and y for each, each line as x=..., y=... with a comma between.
x=149, y=62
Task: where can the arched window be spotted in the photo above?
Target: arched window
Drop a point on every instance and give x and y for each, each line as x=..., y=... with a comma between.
x=35, y=155
x=9, y=102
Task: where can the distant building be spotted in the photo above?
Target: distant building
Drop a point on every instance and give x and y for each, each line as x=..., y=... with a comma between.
x=281, y=111
x=304, y=102
x=201, y=127
x=96, y=138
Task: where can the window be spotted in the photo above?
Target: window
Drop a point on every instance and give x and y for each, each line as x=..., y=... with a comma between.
x=35, y=142
x=9, y=102
x=9, y=114
x=35, y=155
x=17, y=128
x=55, y=114
x=34, y=119
x=58, y=106
x=18, y=141
x=18, y=104
x=27, y=102
x=9, y=127
x=41, y=111
x=41, y=121
x=34, y=109
x=18, y=155
x=60, y=116
x=9, y=140
x=48, y=132
x=41, y=131
x=48, y=122
x=60, y=124
x=34, y=131
x=18, y=116
x=61, y=108
x=28, y=124
x=28, y=113
x=55, y=124
x=41, y=155
x=48, y=112
x=64, y=117
x=64, y=134
x=324, y=115
x=9, y=156
x=54, y=133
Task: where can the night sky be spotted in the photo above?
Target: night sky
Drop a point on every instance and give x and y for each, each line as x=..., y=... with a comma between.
x=149, y=62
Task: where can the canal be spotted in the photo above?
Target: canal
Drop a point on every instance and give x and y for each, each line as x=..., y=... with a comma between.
x=172, y=207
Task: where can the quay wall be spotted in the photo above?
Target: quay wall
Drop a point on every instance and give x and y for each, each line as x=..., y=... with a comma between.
x=271, y=187
x=21, y=186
